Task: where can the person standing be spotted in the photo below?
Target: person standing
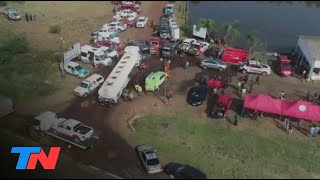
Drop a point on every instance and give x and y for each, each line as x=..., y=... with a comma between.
x=215, y=91
x=187, y=64
x=27, y=17
x=236, y=120
x=114, y=10
x=30, y=17
x=257, y=80
x=138, y=89
x=239, y=86
x=246, y=78
x=251, y=87
x=169, y=96
x=151, y=24
x=290, y=128
x=309, y=96
x=243, y=92
x=255, y=115
x=282, y=95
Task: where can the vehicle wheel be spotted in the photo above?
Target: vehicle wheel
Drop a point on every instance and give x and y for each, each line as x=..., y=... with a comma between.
x=204, y=67
x=85, y=95
x=264, y=73
x=221, y=69
x=244, y=71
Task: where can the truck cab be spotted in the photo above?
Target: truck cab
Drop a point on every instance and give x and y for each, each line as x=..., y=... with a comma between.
x=76, y=69
x=95, y=56
x=89, y=85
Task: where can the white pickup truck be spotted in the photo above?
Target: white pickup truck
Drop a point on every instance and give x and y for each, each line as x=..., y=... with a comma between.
x=68, y=130
x=89, y=85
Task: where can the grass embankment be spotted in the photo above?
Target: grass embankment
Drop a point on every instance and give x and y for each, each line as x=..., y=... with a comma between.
x=24, y=71
x=180, y=13
x=224, y=153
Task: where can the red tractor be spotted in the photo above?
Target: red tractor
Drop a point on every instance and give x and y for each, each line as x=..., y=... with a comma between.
x=222, y=106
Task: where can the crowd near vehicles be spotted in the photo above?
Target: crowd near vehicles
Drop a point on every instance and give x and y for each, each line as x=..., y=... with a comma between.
x=149, y=158
x=154, y=80
x=69, y=130
x=88, y=85
x=76, y=69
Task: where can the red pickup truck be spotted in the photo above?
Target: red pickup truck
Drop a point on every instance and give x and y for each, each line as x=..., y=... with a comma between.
x=235, y=56
x=222, y=106
x=285, y=68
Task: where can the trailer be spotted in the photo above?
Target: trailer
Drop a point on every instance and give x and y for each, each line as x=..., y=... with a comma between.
x=235, y=56
x=48, y=123
x=111, y=90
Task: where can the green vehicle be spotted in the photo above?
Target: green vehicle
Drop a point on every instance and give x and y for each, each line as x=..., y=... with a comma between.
x=154, y=80
x=169, y=9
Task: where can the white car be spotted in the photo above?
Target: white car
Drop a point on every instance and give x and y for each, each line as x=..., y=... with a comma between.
x=186, y=44
x=257, y=68
x=111, y=53
x=76, y=69
x=99, y=38
x=127, y=12
x=119, y=26
x=141, y=22
x=89, y=85
x=201, y=46
x=130, y=17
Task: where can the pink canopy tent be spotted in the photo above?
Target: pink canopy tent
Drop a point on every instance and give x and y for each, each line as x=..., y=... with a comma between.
x=264, y=103
x=297, y=109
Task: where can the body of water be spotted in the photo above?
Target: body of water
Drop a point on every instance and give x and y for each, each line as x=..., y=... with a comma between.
x=277, y=23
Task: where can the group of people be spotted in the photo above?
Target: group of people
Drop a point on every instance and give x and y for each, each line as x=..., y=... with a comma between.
x=30, y=17
x=242, y=85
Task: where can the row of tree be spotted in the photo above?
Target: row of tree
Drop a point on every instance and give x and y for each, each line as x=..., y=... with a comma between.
x=230, y=32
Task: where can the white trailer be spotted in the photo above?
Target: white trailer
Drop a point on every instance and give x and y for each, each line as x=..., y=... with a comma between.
x=48, y=123
x=111, y=90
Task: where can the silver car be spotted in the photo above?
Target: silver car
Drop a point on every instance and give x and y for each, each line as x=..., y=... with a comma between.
x=213, y=63
x=149, y=158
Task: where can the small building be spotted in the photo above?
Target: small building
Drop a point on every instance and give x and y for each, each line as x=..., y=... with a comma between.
x=307, y=52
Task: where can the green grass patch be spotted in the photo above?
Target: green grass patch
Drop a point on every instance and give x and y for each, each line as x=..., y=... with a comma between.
x=25, y=72
x=225, y=153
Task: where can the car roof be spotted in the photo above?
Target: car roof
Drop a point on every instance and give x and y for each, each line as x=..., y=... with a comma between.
x=93, y=77
x=155, y=74
x=150, y=154
x=71, y=122
x=72, y=64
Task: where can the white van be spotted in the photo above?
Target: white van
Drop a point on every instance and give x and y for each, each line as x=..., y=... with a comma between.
x=95, y=56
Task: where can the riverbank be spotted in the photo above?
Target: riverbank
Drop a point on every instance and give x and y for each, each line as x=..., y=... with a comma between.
x=181, y=13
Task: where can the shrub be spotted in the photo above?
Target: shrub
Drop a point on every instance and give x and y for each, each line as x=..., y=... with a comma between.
x=56, y=29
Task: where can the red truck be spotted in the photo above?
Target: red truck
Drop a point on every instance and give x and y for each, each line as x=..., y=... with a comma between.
x=235, y=56
x=134, y=7
x=222, y=106
x=107, y=43
x=155, y=45
x=285, y=68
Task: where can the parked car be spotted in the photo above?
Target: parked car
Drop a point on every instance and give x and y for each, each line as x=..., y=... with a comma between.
x=88, y=85
x=213, y=63
x=165, y=32
x=117, y=25
x=129, y=17
x=197, y=95
x=141, y=22
x=134, y=7
x=129, y=22
x=149, y=158
x=179, y=171
x=154, y=80
x=117, y=47
x=111, y=52
x=285, y=68
x=143, y=46
x=186, y=44
x=76, y=69
x=255, y=67
x=106, y=32
x=127, y=12
x=169, y=9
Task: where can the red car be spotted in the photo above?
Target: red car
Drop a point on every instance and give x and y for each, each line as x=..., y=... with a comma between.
x=155, y=44
x=216, y=83
x=125, y=21
x=285, y=68
x=236, y=56
x=133, y=7
x=222, y=106
x=107, y=43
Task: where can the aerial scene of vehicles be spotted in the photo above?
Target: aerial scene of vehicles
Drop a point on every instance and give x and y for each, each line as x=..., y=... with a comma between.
x=159, y=89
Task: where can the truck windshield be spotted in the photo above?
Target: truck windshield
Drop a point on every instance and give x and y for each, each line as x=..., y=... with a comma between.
x=77, y=126
x=84, y=85
x=103, y=56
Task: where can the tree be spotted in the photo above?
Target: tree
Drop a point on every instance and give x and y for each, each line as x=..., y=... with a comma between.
x=257, y=47
x=208, y=23
x=230, y=31
x=252, y=40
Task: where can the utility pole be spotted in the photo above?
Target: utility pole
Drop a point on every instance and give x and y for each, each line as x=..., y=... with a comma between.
x=61, y=65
